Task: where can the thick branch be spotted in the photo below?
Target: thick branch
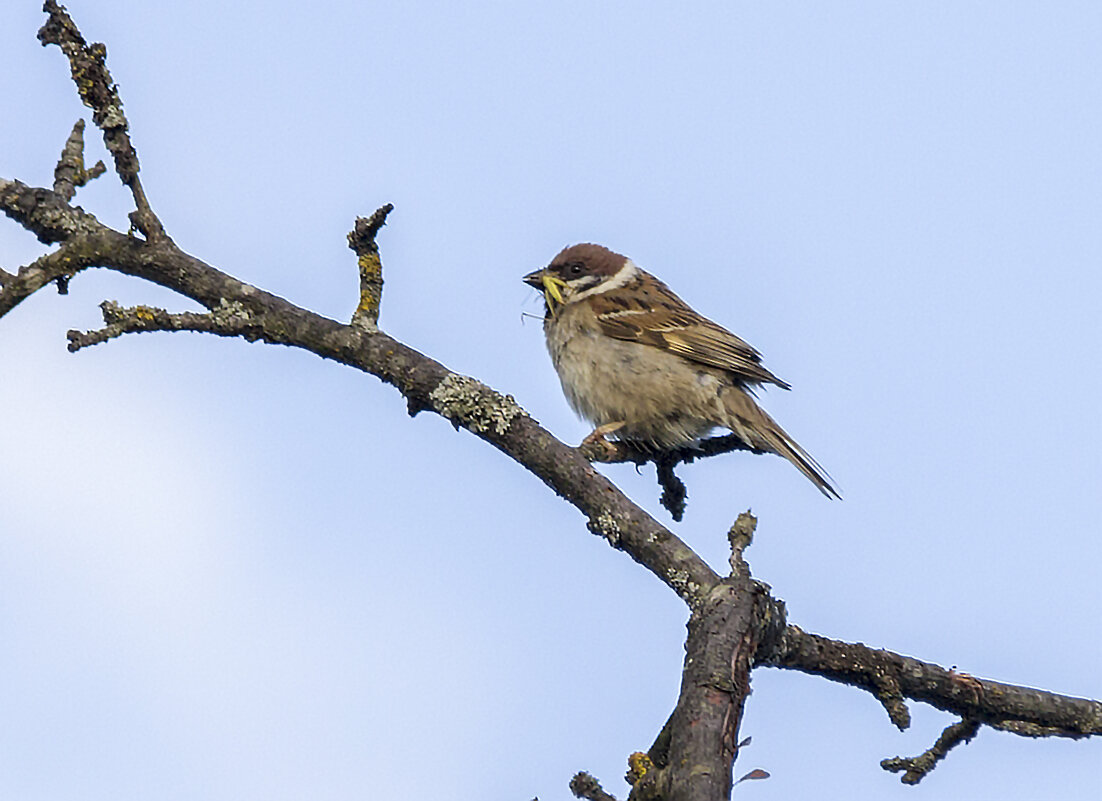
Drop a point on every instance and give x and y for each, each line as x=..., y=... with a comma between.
x=696, y=749
x=46, y=214
x=1023, y=710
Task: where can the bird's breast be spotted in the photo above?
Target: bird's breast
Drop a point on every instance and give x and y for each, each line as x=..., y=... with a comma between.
x=661, y=397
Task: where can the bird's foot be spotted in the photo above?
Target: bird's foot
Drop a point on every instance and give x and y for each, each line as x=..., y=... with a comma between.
x=595, y=448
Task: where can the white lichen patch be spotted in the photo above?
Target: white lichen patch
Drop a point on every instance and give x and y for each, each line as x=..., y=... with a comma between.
x=605, y=525
x=475, y=406
x=689, y=590
x=113, y=117
x=230, y=311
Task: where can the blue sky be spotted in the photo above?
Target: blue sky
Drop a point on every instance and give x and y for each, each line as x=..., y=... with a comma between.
x=234, y=571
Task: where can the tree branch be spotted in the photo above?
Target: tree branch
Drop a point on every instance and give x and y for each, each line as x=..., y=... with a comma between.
x=229, y=320
x=915, y=768
x=891, y=677
x=98, y=91
x=585, y=786
x=694, y=753
x=425, y=383
x=70, y=172
x=673, y=488
x=734, y=625
x=1004, y=706
x=362, y=241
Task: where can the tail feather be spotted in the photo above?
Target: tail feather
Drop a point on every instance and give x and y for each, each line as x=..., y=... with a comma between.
x=750, y=422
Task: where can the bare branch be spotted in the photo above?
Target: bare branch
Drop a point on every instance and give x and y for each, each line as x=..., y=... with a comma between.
x=88, y=64
x=45, y=214
x=1022, y=710
x=585, y=786
x=362, y=240
x=673, y=488
x=60, y=266
x=740, y=535
x=70, y=172
x=674, y=492
x=228, y=320
x=917, y=767
x=698, y=745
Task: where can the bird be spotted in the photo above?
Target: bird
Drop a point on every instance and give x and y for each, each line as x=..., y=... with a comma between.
x=642, y=366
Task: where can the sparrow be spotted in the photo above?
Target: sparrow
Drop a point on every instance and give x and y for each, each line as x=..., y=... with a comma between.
x=639, y=364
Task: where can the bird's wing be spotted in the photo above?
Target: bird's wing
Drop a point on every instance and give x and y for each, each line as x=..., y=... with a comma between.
x=648, y=312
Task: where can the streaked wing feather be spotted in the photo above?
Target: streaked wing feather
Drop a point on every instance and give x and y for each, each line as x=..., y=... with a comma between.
x=659, y=318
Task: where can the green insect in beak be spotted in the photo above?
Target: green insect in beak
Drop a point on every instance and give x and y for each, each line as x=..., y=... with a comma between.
x=552, y=290
x=550, y=284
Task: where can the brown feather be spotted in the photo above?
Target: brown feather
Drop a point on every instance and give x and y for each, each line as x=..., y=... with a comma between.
x=648, y=312
x=754, y=425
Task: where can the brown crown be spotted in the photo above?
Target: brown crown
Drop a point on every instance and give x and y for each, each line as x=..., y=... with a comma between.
x=598, y=260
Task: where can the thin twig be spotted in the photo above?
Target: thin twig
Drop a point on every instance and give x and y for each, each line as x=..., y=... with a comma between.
x=362, y=240
x=674, y=492
x=626, y=451
x=740, y=535
x=585, y=786
x=70, y=172
x=915, y=768
x=60, y=265
x=230, y=319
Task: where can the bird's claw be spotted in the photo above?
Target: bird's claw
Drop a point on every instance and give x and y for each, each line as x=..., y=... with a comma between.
x=595, y=448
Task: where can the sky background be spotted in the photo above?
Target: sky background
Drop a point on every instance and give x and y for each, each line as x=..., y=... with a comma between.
x=235, y=571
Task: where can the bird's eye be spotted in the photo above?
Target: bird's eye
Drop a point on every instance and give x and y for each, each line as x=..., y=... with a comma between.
x=575, y=268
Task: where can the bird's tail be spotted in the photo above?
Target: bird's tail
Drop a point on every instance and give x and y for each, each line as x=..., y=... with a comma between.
x=750, y=422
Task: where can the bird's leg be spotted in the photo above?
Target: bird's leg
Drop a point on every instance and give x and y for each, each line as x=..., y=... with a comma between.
x=595, y=443
x=600, y=432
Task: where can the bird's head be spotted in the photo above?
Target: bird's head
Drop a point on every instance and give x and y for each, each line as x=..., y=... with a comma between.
x=578, y=272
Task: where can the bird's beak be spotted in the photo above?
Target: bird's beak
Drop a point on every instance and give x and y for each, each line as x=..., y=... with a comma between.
x=534, y=280
x=551, y=285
